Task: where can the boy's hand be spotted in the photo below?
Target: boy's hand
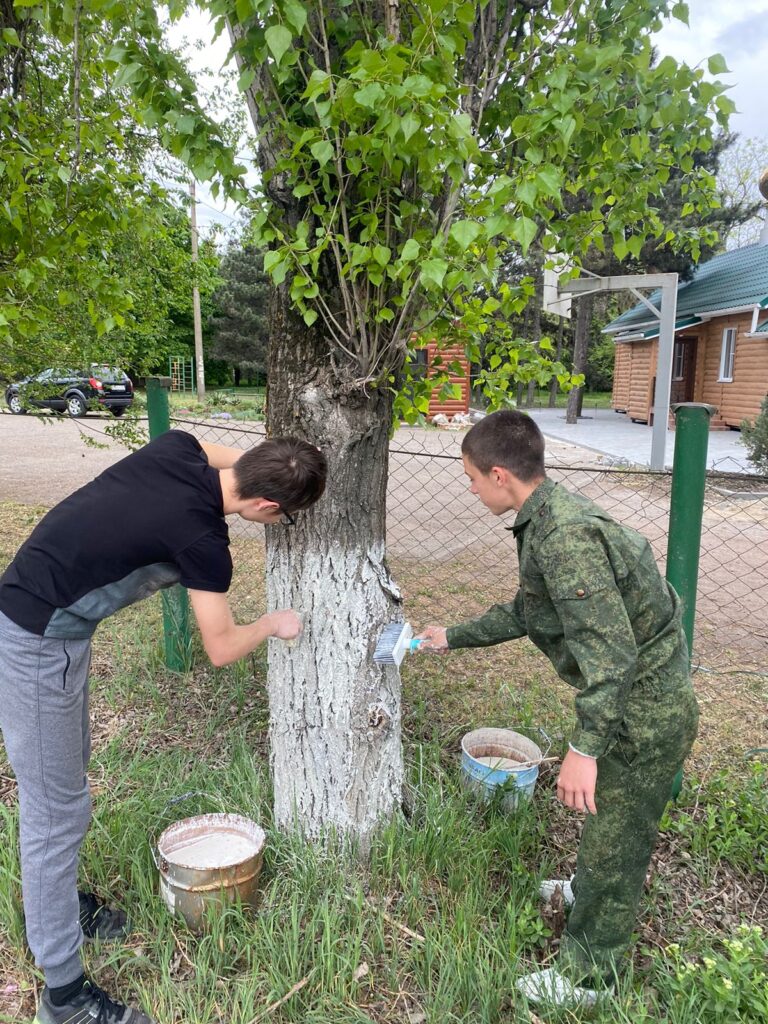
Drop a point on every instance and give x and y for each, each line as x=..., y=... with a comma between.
x=433, y=638
x=285, y=624
x=576, y=782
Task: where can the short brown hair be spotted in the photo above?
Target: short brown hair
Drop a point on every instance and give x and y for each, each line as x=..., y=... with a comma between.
x=509, y=439
x=287, y=470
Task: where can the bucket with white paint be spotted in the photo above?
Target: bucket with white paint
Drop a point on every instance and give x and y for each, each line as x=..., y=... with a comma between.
x=209, y=860
x=500, y=762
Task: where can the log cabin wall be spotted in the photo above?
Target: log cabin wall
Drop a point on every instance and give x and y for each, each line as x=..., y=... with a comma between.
x=740, y=398
x=621, y=373
x=449, y=406
x=641, y=371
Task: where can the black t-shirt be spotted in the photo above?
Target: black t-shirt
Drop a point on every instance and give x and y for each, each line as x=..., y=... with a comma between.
x=153, y=519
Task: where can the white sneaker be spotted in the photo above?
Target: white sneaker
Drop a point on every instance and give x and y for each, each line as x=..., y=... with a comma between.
x=550, y=885
x=549, y=986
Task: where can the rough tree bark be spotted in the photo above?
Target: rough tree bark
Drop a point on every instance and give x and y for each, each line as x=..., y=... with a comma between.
x=334, y=715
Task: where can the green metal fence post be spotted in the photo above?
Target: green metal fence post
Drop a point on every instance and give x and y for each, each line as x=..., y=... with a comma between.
x=686, y=512
x=176, y=631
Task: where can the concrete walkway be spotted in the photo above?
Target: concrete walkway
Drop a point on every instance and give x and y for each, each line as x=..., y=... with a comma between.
x=620, y=440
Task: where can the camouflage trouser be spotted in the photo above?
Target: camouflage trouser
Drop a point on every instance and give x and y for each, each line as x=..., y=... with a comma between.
x=634, y=783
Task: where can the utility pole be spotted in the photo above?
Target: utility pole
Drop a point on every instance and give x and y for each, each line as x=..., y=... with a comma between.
x=197, y=319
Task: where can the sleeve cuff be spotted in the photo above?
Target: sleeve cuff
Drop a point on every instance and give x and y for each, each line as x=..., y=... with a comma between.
x=453, y=636
x=581, y=752
x=590, y=744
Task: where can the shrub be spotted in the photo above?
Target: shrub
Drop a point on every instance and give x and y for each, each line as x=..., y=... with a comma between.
x=726, y=983
x=755, y=438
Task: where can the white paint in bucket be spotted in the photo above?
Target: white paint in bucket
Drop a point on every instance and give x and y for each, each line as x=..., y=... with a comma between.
x=214, y=850
x=209, y=859
x=499, y=763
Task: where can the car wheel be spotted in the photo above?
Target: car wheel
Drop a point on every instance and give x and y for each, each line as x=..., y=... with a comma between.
x=76, y=405
x=15, y=405
x=118, y=410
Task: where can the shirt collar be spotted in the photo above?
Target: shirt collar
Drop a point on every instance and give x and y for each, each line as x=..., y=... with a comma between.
x=533, y=503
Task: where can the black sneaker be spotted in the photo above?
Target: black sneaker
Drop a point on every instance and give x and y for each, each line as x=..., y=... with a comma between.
x=99, y=921
x=90, y=1006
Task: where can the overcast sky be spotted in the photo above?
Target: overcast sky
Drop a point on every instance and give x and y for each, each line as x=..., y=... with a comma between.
x=738, y=31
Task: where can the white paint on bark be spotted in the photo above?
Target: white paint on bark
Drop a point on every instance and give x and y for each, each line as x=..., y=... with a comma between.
x=334, y=715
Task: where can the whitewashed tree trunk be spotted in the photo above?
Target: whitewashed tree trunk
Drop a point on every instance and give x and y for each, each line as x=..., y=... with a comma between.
x=334, y=715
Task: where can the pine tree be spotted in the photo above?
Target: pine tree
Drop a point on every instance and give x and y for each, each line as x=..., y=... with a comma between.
x=240, y=323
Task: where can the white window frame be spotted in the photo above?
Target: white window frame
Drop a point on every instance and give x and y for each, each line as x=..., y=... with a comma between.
x=727, y=355
x=678, y=360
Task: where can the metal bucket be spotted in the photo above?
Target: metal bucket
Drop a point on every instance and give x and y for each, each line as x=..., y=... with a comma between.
x=209, y=860
x=488, y=757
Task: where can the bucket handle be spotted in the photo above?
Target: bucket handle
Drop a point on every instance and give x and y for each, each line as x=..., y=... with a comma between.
x=160, y=862
x=549, y=742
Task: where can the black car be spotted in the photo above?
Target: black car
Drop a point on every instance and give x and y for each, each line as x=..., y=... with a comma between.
x=73, y=391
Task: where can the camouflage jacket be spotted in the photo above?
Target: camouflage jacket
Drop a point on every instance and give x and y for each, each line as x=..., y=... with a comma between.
x=592, y=599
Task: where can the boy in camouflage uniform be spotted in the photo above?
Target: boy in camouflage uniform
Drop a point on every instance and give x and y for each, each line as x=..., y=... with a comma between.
x=592, y=599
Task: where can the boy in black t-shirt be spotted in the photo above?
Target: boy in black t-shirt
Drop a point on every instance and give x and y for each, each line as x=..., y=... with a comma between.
x=153, y=519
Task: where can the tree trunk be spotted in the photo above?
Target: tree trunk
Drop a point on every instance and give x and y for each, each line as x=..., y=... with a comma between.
x=238, y=373
x=580, y=349
x=535, y=335
x=554, y=385
x=334, y=715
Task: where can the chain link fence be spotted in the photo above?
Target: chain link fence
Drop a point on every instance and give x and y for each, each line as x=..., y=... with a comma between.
x=452, y=558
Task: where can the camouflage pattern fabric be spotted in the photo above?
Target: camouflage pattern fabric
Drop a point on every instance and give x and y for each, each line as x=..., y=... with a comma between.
x=634, y=781
x=592, y=599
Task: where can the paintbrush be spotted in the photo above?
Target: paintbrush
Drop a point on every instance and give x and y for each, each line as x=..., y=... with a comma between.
x=395, y=642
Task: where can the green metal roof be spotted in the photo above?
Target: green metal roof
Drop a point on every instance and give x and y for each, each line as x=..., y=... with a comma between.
x=762, y=328
x=736, y=278
x=653, y=332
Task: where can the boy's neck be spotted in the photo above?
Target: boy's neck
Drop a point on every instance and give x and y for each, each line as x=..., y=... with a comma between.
x=230, y=499
x=521, y=491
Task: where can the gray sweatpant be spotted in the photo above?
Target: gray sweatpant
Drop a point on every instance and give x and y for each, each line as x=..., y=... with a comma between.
x=45, y=726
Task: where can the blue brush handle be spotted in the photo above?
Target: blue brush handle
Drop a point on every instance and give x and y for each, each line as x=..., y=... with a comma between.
x=414, y=644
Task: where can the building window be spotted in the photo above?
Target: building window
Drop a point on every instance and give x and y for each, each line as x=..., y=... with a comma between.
x=727, y=353
x=678, y=361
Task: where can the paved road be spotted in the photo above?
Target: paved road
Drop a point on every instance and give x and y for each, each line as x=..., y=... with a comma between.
x=45, y=458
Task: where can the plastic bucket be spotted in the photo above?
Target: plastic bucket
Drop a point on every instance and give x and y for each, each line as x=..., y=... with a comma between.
x=209, y=860
x=488, y=758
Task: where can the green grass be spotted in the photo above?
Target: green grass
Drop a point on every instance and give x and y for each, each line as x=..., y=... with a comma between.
x=592, y=399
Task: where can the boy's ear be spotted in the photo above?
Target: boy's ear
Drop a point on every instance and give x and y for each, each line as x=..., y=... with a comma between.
x=501, y=476
x=263, y=505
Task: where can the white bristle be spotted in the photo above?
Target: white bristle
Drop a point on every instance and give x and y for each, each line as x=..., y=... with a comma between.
x=393, y=643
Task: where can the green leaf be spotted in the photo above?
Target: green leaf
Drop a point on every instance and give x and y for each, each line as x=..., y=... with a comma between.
x=717, y=65
x=680, y=11
x=433, y=271
x=319, y=83
x=410, y=251
x=465, y=232
x=382, y=254
x=279, y=39
x=409, y=125
x=245, y=81
x=295, y=15
x=271, y=258
x=309, y=316
x=550, y=178
x=523, y=230
x=370, y=96
x=322, y=152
